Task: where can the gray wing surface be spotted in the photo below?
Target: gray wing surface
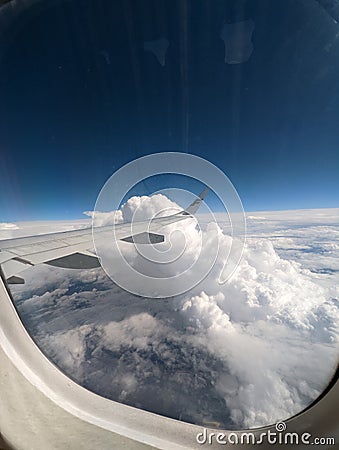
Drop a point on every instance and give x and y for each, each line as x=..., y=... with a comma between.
x=75, y=249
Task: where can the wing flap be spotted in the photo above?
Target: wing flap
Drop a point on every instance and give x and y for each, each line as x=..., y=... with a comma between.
x=15, y=280
x=75, y=261
x=145, y=238
x=13, y=267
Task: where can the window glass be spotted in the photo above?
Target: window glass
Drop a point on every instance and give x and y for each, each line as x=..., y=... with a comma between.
x=86, y=87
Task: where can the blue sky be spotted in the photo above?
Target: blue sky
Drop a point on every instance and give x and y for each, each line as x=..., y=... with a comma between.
x=80, y=97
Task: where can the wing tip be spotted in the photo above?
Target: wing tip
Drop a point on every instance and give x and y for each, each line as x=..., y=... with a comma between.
x=194, y=206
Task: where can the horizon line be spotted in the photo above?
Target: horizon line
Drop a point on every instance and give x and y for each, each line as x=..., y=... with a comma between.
x=215, y=212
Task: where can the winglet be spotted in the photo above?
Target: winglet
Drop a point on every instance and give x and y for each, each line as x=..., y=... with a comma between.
x=193, y=207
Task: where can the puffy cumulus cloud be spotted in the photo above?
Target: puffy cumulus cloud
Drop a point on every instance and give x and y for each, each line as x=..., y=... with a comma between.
x=270, y=324
x=142, y=361
x=269, y=374
x=70, y=348
x=144, y=207
x=136, y=331
x=268, y=287
x=136, y=208
x=256, y=217
x=105, y=218
x=8, y=230
x=8, y=226
x=269, y=308
x=240, y=354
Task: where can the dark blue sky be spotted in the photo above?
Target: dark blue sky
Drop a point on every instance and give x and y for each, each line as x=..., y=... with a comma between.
x=80, y=97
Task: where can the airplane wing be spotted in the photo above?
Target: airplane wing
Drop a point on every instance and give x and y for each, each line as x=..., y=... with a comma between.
x=74, y=249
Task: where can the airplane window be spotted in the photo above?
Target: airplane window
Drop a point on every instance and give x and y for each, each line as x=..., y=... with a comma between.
x=191, y=116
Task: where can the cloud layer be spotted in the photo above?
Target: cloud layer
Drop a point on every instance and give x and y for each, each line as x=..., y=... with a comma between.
x=236, y=355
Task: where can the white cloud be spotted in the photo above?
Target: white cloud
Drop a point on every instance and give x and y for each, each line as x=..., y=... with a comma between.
x=7, y=230
x=241, y=354
x=70, y=348
x=105, y=218
x=143, y=208
x=8, y=226
x=256, y=217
